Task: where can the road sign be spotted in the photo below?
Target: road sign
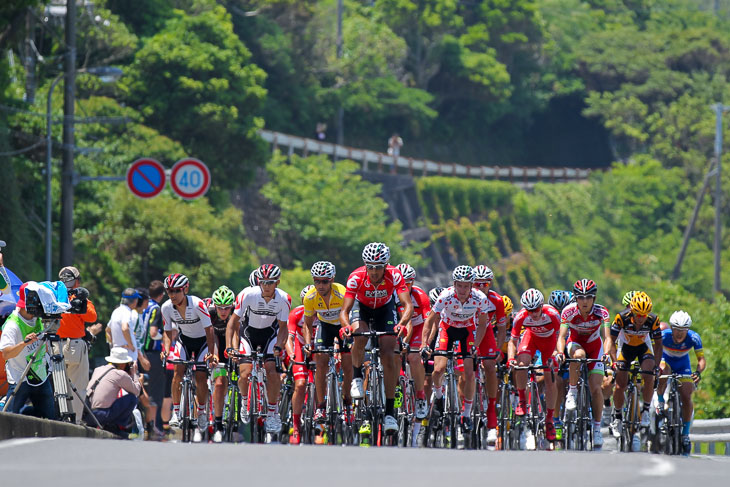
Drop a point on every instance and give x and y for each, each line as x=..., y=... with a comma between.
x=190, y=178
x=146, y=178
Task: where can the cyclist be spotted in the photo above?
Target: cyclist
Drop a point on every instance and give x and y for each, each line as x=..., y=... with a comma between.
x=584, y=326
x=634, y=329
x=559, y=299
x=323, y=302
x=626, y=300
x=370, y=297
x=298, y=344
x=259, y=320
x=457, y=310
x=433, y=296
x=541, y=323
x=220, y=308
x=414, y=337
x=489, y=347
x=189, y=316
x=678, y=341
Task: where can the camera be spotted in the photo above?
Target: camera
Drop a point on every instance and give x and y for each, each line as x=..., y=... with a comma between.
x=78, y=298
x=35, y=307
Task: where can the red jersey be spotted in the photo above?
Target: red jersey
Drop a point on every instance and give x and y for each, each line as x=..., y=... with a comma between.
x=546, y=327
x=296, y=322
x=588, y=329
x=497, y=315
x=359, y=287
x=421, y=306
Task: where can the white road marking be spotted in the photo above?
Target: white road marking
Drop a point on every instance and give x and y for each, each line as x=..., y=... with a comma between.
x=660, y=468
x=22, y=441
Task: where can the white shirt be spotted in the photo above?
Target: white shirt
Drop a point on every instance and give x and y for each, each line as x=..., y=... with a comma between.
x=260, y=313
x=195, y=321
x=12, y=335
x=123, y=314
x=457, y=314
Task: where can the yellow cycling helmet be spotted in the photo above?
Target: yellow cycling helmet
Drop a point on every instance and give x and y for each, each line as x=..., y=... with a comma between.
x=508, y=306
x=641, y=303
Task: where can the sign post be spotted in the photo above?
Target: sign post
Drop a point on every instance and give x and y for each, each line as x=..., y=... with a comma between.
x=146, y=178
x=190, y=178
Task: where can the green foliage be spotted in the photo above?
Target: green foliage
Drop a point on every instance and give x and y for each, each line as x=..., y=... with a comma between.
x=193, y=82
x=328, y=211
x=136, y=241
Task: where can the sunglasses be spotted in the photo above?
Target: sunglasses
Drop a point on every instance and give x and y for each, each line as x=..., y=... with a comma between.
x=321, y=281
x=174, y=290
x=375, y=266
x=224, y=308
x=483, y=284
x=267, y=283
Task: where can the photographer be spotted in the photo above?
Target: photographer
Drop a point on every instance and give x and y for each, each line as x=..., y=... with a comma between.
x=113, y=412
x=18, y=343
x=75, y=337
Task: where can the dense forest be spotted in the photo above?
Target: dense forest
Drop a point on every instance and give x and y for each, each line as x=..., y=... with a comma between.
x=621, y=86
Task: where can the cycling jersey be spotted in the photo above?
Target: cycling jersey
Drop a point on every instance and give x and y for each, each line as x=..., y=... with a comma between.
x=623, y=328
x=360, y=288
x=497, y=315
x=195, y=321
x=545, y=327
x=296, y=322
x=461, y=315
x=584, y=330
x=260, y=313
x=421, y=306
x=219, y=325
x=326, y=312
x=674, y=350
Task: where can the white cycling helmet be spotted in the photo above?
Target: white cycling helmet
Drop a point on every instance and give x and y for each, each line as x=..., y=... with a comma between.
x=323, y=269
x=680, y=319
x=253, y=280
x=409, y=273
x=305, y=290
x=433, y=294
x=463, y=273
x=532, y=299
x=376, y=253
x=483, y=273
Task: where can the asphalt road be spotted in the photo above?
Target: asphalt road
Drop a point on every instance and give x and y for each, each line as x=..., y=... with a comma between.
x=72, y=462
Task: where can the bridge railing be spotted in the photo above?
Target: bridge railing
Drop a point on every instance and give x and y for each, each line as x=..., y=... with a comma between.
x=712, y=432
x=382, y=162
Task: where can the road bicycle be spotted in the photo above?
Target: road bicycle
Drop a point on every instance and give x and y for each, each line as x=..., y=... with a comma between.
x=507, y=434
x=578, y=423
x=668, y=422
x=631, y=434
x=530, y=428
x=443, y=426
x=334, y=429
x=405, y=402
x=188, y=409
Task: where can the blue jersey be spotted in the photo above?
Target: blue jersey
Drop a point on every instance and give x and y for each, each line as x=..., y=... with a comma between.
x=674, y=350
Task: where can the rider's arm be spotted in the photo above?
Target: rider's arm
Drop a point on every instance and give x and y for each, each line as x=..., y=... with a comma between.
x=405, y=299
x=308, y=328
x=564, y=329
x=347, y=305
x=429, y=327
x=232, y=331
x=481, y=327
x=282, y=334
x=210, y=340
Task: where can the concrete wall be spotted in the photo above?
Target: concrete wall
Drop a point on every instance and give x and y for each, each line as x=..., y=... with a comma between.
x=19, y=426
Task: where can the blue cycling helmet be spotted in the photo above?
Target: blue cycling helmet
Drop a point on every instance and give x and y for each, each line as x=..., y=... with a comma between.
x=559, y=299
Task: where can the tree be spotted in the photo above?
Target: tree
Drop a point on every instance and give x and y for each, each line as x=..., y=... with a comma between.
x=194, y=83
x=329, y=213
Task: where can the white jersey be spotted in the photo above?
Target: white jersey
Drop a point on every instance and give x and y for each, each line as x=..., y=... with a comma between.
x=461, y=315
x=260, y=313
x=195, y=321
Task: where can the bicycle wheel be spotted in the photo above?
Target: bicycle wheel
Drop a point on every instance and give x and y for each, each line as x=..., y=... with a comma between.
x=185, y=421
x=676, y=423
x=504, y=420
x=629, y=429
x=230, y=413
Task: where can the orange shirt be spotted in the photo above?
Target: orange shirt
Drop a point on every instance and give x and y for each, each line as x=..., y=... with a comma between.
x=73, y=326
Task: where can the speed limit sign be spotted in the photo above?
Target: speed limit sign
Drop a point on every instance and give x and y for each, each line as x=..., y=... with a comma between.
x=190, y=178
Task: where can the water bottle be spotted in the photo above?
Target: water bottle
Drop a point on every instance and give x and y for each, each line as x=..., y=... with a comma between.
x=2, y=402
x=398, y=397
x=636, y=442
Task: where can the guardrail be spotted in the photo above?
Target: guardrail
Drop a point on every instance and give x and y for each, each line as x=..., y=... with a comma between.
x=711, y=432
x=381, y=162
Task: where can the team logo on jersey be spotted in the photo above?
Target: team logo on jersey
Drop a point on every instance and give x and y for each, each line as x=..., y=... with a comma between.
x=352, y=282
x=377, y=293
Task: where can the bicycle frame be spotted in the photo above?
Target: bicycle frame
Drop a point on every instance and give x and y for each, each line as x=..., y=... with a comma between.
x=187, y=397
x=535, y=417
x=580, y=423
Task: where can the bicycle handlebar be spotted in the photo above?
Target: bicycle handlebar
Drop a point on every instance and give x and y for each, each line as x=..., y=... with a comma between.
x=195, y=363
x=328, y=351
x=373, y=334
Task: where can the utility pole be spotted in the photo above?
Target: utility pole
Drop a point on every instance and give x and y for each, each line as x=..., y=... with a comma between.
x=719, y=110
x=67, y=171
x=341, y=110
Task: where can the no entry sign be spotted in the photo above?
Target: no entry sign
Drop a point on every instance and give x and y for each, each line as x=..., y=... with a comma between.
x=190, y=178
x=146, y=178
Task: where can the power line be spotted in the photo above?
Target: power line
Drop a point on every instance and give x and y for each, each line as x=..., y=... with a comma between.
x=23, y=150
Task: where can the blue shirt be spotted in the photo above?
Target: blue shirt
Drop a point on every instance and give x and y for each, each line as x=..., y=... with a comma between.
x=674, y=350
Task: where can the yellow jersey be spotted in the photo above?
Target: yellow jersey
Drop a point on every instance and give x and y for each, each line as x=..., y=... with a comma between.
x=326, y=312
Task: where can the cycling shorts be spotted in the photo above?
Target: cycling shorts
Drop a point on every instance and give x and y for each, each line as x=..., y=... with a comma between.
x=300, y=372
x=679, y=365
x=416, y=338
x=448, y=335
x=531, y=344
x=488, y=347
x=327, y=334
x=377, y=319
x=629, y=353
x=196, y=348
x=253, y=338
x=593, y=349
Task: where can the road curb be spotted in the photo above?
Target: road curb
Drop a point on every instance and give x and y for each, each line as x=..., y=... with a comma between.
x=20, y=426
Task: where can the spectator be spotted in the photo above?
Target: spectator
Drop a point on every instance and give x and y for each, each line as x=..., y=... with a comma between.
x=18, y=344
x=321, y=131
x=151, y=346
x=119, y=329
x=394, y=144
x=113, y=412
x=75, y=341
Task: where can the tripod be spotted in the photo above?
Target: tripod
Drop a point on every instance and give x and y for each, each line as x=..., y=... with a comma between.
x=61, y=382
